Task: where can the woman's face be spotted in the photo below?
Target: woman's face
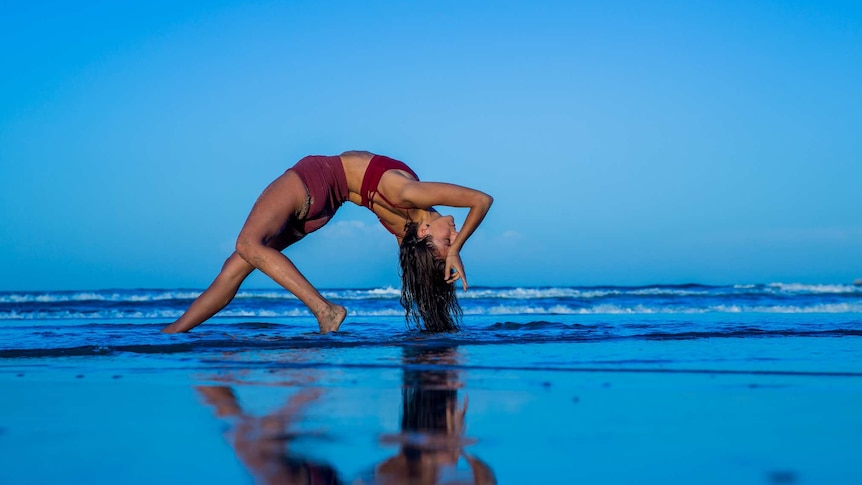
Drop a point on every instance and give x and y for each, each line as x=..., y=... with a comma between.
x=443, y=234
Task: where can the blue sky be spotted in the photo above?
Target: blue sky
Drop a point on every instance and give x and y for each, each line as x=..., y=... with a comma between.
x=624, y=142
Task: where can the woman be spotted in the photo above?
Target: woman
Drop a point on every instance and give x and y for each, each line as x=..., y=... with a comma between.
x=306, y=197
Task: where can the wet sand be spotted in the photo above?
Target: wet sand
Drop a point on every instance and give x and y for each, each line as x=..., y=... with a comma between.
x=759, y=411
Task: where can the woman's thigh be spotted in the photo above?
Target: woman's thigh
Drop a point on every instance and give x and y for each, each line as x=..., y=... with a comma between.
x=269, y=219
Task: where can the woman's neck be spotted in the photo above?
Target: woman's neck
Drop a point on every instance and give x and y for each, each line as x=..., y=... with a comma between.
x=427, y=216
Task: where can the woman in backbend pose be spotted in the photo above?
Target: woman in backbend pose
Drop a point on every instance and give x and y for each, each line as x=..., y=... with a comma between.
x=305, y=198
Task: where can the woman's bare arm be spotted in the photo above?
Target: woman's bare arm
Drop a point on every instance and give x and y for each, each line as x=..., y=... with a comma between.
x=425, y=195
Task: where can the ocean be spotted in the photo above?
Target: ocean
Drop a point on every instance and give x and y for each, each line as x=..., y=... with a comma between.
x=746, y=383
x=63, y=322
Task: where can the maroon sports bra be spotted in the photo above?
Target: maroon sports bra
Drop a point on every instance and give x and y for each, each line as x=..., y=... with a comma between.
x=376, y=168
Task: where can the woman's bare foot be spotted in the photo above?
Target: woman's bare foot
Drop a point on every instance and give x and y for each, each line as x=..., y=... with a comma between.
x=173, y=328
x=330, y=319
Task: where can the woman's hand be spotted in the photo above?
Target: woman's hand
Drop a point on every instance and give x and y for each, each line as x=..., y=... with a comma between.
x=454, y=269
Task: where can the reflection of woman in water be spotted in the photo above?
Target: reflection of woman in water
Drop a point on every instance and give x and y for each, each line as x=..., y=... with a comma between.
x=432, y=428
x=303, y=200
x=263, y=443
x=431, y=442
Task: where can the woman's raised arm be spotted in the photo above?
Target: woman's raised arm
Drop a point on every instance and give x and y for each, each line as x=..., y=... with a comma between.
x=425, y=195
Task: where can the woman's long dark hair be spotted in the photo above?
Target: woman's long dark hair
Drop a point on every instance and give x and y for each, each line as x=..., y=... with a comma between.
x=425, y=295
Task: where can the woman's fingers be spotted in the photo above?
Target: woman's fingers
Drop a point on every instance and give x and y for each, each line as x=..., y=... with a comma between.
x=454, y=270
x=453, y=275
x=456, y=275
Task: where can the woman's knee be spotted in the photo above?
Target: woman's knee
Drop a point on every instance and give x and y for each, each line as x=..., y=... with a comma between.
x=248, y=249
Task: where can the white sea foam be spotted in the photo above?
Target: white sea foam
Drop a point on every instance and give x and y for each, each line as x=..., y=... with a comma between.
x=821, y=308
x=804, y=288
x=387, y=292
x=162, y=296
x=519, y=293
x=94, y=296
x=389, y=312
x=382, y=301
x=575, y=293
x=347, y=294
x=524, y=310
x=393, y=293
x=726, y=309
x=667, y=292
x=558, y=309
x=101, y=315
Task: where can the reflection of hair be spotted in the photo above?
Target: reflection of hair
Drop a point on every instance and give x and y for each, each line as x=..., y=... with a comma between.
x=425, y=295
x=429, y=401
x=429, y=396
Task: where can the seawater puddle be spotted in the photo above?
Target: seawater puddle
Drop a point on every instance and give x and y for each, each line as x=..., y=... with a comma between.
x=465, y=413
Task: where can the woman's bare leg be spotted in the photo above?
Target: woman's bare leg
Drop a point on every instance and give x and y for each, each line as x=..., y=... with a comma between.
x=214, y=298
x=223, y=289
x=282, y=270
x=282, y=201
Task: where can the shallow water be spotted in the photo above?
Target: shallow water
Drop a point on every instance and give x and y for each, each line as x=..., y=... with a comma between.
x=695, y=396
